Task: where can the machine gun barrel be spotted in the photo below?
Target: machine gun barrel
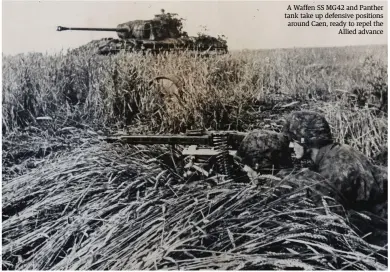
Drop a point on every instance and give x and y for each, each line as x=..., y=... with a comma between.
x=62, y=28
x=162, y=139
x=233, y=139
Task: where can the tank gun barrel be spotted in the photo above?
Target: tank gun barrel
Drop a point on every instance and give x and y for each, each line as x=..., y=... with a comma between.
x=62, y=28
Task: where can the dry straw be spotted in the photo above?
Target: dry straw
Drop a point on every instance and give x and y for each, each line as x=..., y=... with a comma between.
x=110, y=207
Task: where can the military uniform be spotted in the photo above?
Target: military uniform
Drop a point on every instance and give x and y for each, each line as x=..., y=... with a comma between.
x=265, y=151
x=353, y=174
x=353, y=180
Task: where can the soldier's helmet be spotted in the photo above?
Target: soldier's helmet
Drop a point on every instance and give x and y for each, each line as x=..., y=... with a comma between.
x=308, y=128
x=265, y=151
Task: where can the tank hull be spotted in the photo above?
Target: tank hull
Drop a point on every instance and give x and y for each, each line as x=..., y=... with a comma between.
x=110, y=46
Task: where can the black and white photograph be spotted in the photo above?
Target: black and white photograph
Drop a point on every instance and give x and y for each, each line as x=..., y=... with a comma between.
x=194, y=135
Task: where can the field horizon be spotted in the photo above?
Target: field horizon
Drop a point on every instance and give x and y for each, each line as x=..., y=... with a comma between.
x=230, y=50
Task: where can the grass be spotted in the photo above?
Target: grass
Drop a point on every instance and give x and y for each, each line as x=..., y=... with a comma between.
x=219, y=92
x=72, y=202
x=104, y=207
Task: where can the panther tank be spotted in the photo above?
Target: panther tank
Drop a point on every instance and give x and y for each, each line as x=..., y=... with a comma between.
x=161, y=34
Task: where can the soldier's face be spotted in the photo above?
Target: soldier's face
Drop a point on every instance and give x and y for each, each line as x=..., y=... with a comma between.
x=298, y=150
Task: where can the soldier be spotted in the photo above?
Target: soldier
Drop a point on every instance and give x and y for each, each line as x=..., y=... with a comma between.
x=359, y=184
x=264, y=152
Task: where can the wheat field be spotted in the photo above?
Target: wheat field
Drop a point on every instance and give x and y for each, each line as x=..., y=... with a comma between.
x=73, y=202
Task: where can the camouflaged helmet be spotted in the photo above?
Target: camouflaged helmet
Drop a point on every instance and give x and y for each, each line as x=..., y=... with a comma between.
x=308, y=128
x=265, y=150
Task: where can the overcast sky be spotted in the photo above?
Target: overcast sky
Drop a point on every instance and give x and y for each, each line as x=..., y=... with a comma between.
x=31, y=25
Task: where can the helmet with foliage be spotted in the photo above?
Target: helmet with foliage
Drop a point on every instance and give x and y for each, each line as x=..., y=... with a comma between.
x=265, y=150
x=308, y=128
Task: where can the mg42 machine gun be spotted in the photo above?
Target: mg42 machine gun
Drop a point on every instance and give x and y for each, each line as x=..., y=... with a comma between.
x=204, y=150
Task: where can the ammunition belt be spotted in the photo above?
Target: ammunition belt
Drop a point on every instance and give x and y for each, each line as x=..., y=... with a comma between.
x=220, y=143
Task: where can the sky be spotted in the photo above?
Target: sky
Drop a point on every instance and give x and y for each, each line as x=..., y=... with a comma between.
x=31, y=25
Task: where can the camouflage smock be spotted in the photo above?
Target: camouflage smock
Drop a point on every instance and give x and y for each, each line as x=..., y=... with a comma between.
x=362, y=185
x=265, y=151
